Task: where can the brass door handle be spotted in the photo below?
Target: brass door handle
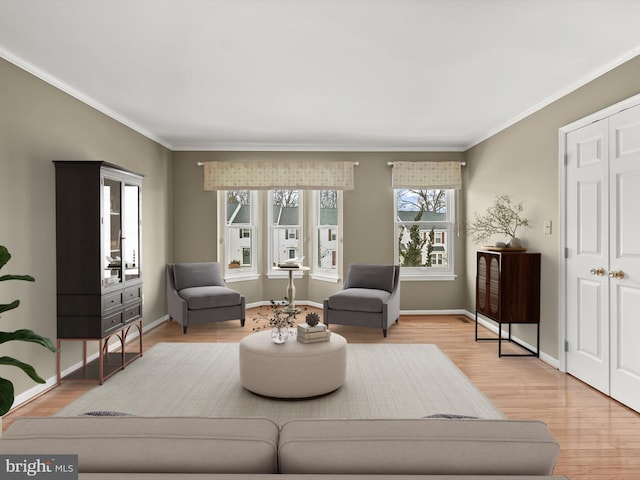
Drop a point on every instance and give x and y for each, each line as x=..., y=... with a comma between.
x=616, y=274
x=598, y=271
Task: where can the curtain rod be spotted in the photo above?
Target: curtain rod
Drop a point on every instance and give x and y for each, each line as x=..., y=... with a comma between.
x=461, y=163
x=200, y=164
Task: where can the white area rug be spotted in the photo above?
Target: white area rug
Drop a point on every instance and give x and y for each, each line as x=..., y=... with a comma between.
x=202, y=379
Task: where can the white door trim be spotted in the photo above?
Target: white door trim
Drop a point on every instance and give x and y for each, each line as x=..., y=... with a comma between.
x=562, y=149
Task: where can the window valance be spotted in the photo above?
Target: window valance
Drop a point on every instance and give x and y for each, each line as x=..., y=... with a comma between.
x=267, y=175
x=427, y=175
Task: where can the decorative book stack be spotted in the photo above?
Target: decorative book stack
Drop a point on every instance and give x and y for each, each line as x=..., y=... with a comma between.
x=317, y=333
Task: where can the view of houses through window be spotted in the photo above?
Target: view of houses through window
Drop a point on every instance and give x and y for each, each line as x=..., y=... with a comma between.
x=424, y=226
x=285, y=225
x=240, y=229
x=326, y=225
x=282, y=211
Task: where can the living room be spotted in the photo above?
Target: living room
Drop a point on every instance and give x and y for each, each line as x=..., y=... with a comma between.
x=41, y=122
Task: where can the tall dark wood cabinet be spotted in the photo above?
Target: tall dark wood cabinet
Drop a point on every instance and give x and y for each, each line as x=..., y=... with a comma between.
x=98, y=259
x=508, y=291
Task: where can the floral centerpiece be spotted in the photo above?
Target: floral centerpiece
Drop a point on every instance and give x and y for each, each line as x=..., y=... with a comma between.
x=281, y=318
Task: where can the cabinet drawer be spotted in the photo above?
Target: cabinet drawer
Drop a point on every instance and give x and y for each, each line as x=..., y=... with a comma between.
x=132, y=294
x=132, y=313
x=111, y=322
x=111, y=301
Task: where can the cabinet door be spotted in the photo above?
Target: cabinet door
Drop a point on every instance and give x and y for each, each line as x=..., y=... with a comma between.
x=131, y=231
x=488, y=284
x=111, y=231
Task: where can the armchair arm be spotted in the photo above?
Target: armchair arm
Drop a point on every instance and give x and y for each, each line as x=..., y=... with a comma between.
x=177, y=306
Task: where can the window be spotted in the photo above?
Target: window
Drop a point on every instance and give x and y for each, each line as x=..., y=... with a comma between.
x=325, y=244
x=272, y=223
x=285, y=213
x=424, y=222
x=240, y=232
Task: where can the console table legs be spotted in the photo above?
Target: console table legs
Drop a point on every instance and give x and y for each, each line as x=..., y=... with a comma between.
x=104, y=368
x=500, y=339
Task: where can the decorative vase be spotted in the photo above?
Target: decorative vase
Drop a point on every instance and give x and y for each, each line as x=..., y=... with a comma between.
x=514, y=243
x=280, y=335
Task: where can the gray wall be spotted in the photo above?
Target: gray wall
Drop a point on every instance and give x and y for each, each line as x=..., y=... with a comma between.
x=367, y=228
x=38, y=124
x=523, y=161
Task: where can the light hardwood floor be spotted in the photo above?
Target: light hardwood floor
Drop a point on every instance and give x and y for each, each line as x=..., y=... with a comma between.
x=599, y=438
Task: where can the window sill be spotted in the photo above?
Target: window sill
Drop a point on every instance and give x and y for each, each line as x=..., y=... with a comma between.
x=416, y=277
x=241, y=278
x=324, y=278
x=285, y=275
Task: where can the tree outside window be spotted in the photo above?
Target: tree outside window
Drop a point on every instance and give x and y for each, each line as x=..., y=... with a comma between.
x=424, y=223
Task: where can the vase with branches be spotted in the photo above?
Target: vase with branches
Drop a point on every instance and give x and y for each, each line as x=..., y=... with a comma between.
x=504, y=217
x=280, y=319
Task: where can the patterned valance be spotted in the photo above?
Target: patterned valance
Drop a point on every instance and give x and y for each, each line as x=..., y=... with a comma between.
x=423, y=175
x=267, y=175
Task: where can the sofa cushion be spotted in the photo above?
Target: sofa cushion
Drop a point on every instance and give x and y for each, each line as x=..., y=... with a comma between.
x=359, y=300
x=150, y=444
x=186, y=275
x=378, y=277
x=417, y=447
x=200, y=298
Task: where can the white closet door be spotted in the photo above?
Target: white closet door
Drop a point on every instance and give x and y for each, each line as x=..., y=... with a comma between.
x=587, y=235
x=624, y=256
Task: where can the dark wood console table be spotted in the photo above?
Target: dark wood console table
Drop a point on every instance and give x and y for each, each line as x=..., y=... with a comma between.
x=508, y=292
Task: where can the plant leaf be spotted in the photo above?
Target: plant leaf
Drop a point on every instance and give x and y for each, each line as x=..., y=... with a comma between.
x=25, y=367
x=26, y=278
x=26, y=335
x=6, y=396
x=9, y=306
x=5, y=256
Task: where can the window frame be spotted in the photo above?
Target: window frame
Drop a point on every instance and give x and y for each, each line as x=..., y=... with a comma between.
x=233, y=233
x=320, y=273
x=424, y=273
x=271, y=227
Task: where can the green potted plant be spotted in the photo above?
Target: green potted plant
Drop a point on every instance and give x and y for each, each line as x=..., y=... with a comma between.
x=502, y=218
x=6, y=387
x=235, y=263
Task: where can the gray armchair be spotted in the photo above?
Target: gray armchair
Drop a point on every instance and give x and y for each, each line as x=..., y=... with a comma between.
x=370, y=298
x=197, y=293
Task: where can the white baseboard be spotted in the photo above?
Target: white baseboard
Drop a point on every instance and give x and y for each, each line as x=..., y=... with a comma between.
x=52, y=381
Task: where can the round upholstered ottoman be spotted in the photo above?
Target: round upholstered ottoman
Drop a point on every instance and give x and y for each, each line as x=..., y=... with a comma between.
x=293, y=369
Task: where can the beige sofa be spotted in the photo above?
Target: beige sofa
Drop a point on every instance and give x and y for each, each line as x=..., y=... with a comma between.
x=256, y=448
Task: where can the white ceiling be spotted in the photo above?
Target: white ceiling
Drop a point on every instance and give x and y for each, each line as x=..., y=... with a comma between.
x=318, y=74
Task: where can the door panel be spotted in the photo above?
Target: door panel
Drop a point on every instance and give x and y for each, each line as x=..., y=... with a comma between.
x=625, y=256
x=587, y=260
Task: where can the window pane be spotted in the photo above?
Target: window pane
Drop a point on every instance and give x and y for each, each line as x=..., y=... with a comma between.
x=240, y=245
x=412, y=203
x=326, y=228
x=327, y=248
x=285, y=244
x=239, y=230
x=423, y=226
x=286, y=205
